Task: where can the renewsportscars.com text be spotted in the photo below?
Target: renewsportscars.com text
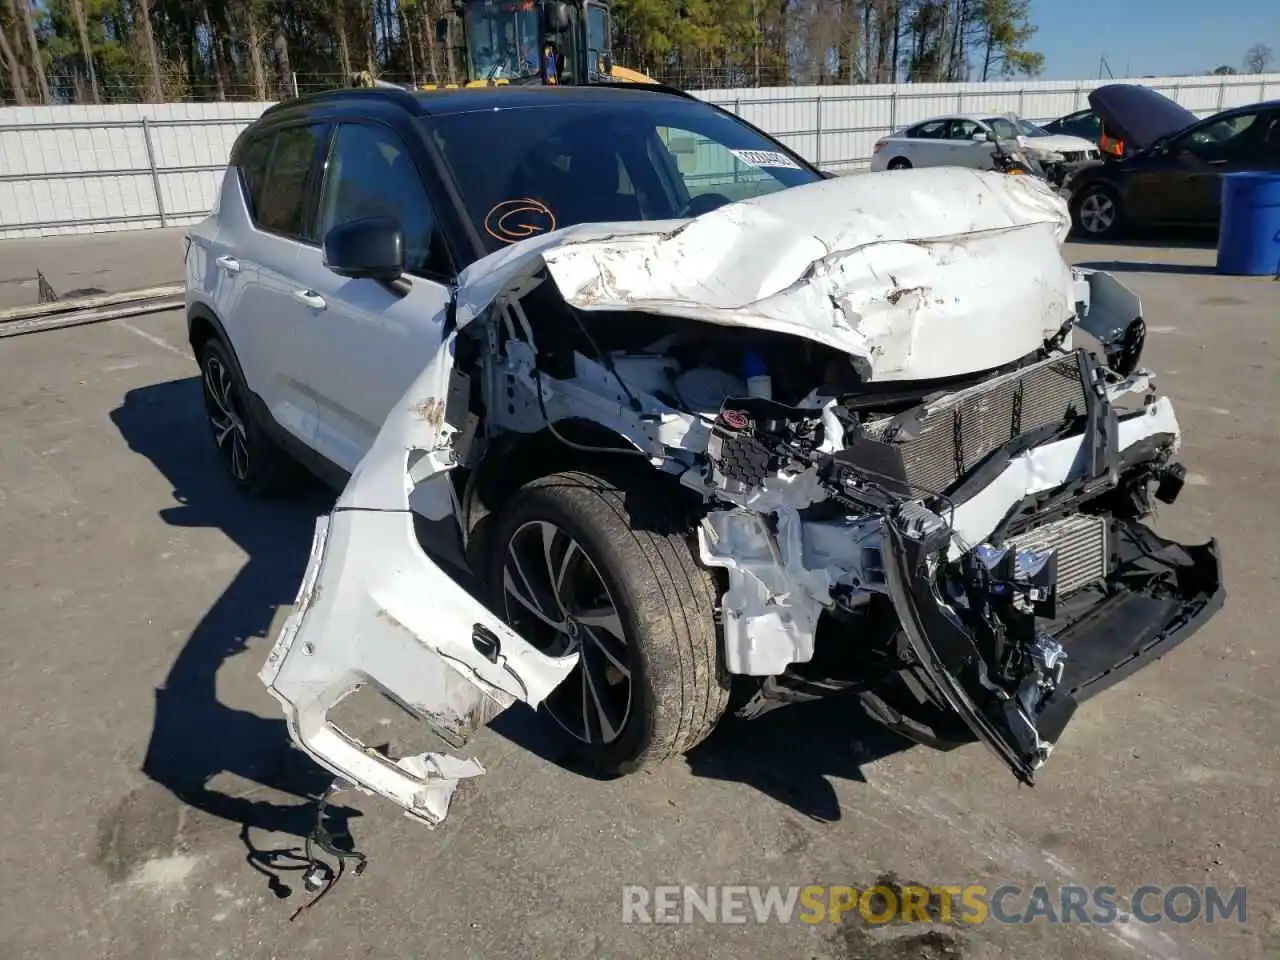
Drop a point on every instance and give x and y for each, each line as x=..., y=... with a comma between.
x=945, y=903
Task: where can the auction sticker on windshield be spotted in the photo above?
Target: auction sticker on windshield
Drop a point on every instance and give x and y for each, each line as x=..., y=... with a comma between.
x=765, y=158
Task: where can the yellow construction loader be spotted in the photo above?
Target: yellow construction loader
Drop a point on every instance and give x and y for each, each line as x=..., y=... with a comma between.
x=534, y=41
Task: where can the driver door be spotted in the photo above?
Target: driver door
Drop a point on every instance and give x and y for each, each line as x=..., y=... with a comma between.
x=364, y=342
x=963, y=150
x=1241, y=149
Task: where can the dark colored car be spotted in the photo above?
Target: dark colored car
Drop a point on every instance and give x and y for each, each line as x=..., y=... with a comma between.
x=1084, y=124
x=1172, y=166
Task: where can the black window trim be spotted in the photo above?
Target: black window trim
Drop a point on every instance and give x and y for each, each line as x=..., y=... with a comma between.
x=446, y=278
x=308, y=189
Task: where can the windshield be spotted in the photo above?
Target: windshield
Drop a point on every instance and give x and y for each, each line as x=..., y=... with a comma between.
x=1029, y=129
x=529, y=169
x=1003, y=127
x=502, y=39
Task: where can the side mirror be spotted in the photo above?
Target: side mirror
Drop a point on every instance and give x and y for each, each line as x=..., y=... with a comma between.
x=371, y=247
x=555, y=16
x=986, y=136
x=442, y=30
x=608, y=63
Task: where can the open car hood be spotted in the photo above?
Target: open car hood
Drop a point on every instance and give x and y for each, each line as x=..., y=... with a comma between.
x=923, y=274
x=1138, y=115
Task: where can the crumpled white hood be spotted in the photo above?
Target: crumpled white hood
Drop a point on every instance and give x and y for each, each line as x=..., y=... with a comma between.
x=923, y=273
x=1056, y=143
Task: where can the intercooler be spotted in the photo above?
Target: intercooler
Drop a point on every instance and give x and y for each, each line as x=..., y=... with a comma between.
x=940, y=442
x=1080, y=542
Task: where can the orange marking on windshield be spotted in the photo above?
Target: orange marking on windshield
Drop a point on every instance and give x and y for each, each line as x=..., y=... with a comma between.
x=514, y=220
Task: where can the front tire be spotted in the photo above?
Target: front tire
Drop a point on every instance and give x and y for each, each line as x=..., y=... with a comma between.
x=1096, y=212
x=602, y=565
x=256, y=465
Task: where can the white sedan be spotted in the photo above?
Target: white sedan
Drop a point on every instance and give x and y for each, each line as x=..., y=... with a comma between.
x=961, y=141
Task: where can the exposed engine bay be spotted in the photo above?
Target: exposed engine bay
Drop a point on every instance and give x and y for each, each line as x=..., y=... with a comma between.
x=965, y=552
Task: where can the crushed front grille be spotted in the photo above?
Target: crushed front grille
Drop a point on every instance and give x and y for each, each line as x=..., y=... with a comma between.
x=943, y=440
x=1080, y=542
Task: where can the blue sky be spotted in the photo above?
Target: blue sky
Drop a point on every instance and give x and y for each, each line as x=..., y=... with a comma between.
x=1150, y=36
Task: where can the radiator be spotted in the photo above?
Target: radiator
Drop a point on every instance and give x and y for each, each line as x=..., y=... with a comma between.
x=941, y=441
x=1081, y=545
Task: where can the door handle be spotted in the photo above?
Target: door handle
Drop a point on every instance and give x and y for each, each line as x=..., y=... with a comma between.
x=310, y=298
x=229, y=264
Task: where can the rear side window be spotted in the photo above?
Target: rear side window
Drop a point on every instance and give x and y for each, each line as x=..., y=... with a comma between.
x=281, y=204
x=252, y=163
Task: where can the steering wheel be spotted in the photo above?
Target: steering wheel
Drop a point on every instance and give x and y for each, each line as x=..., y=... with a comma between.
x=703, y=203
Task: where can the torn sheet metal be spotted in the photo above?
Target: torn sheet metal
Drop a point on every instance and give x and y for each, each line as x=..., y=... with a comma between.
x=782, y=570
x=373, y=608
x=921, y=273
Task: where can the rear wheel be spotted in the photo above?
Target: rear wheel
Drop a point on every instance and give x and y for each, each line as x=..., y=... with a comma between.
x=1096, y=211
x=603, y=567
x=256, y=465
x=899, y=163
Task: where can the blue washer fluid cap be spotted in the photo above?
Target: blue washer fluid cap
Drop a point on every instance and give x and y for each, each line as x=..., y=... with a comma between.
x=753, y=365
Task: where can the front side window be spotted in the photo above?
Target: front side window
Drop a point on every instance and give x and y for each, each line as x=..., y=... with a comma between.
x=370, y=174
x=965, y=129
x=1271, y=139
x=932, y=130
x=282, y=206
x=1230, y=137
x=657, y=158
x=502, y=39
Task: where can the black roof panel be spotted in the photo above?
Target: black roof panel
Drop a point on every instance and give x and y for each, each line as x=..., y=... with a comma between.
x=439, y=103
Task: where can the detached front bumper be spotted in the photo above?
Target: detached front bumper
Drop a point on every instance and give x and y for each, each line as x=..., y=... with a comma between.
x=1157, y=595
x=374, y=609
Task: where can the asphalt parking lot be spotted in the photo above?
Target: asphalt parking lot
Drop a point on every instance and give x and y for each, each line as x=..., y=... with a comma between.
x=151, y=798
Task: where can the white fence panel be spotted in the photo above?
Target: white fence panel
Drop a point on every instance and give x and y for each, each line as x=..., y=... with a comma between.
x=86, y=169
x=82, y=169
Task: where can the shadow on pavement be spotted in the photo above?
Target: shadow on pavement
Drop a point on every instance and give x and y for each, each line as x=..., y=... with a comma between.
x=1179, y=238
x=787, y=754
x=790, y=753
x=1138, y=266
x=196, y=737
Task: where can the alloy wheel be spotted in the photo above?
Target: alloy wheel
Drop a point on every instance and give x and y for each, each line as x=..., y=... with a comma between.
x=555, y=597
x=1097, y=213
x=226, y=416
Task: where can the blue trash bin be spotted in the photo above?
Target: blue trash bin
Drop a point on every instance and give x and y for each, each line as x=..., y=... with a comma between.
x=1249, y=232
